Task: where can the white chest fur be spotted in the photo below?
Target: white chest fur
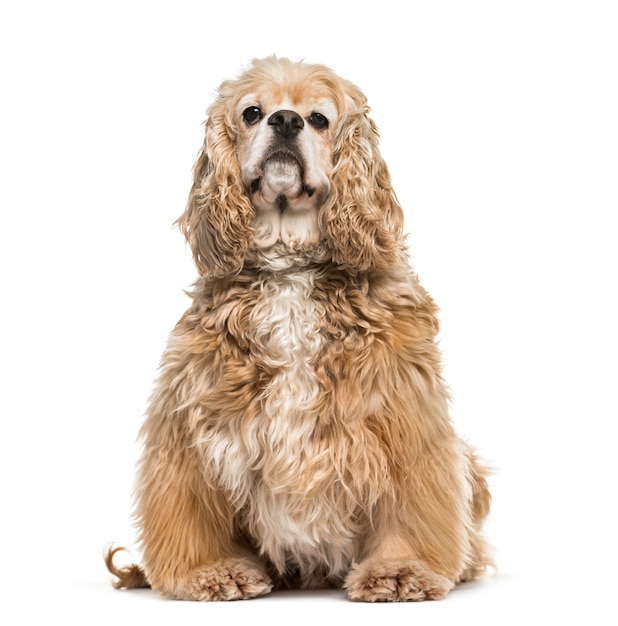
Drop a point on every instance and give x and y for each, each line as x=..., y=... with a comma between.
x=275, y=471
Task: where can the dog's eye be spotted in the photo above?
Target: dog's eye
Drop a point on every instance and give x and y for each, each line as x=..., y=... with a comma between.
x=317, y=120
x=252, y=115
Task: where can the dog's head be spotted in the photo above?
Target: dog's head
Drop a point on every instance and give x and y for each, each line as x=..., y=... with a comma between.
x=291, y=159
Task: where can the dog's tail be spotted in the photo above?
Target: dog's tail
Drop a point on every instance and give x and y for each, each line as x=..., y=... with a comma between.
x=126, y=577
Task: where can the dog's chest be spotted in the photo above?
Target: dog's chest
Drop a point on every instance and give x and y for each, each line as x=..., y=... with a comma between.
x=270, y=465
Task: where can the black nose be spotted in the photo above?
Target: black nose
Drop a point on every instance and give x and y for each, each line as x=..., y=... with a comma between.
x=286, y=123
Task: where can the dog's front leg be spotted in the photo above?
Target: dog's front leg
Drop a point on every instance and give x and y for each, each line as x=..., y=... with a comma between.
x=423, y=538
x=186, y=530
x=393, y=570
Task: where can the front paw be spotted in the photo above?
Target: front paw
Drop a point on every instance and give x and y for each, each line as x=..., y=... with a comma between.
x=230, y=579
x=395, y=581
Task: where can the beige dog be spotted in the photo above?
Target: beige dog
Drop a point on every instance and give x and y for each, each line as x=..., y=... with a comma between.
x=298, y=434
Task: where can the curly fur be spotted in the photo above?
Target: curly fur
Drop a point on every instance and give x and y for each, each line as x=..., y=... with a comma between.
x=298, y=434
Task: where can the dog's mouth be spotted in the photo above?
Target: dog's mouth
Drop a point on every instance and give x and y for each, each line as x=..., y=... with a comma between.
x=281, y=179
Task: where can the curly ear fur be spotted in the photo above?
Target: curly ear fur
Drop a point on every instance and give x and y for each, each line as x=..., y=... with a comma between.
x=217, y=222
x=362, y=218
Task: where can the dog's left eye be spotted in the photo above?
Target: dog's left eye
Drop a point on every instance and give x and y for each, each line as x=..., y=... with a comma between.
x=317, y=120
x=252, y=115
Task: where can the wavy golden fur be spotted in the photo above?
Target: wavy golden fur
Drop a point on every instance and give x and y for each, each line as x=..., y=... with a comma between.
x=298, y=434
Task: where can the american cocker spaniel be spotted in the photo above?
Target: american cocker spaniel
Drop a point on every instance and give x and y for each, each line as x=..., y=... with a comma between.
x=298, y=434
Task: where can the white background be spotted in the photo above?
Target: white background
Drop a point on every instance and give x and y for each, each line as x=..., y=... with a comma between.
x=500, y=126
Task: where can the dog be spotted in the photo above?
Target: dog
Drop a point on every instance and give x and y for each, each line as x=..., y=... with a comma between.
x=298, y=434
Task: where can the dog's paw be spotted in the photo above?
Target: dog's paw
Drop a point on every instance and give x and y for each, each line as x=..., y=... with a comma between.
x=395, y=581
x=231, y=579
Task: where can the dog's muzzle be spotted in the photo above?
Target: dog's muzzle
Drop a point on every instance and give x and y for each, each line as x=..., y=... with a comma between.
x=282, y=170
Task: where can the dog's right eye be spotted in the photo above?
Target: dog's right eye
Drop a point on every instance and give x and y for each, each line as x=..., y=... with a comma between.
x=252, y=115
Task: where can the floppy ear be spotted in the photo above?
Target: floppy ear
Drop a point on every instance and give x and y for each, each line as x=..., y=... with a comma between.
x=217, y=220
x=362, y=218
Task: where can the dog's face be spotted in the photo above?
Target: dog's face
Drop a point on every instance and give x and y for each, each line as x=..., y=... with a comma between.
x=284, y=149
x=290, y=168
